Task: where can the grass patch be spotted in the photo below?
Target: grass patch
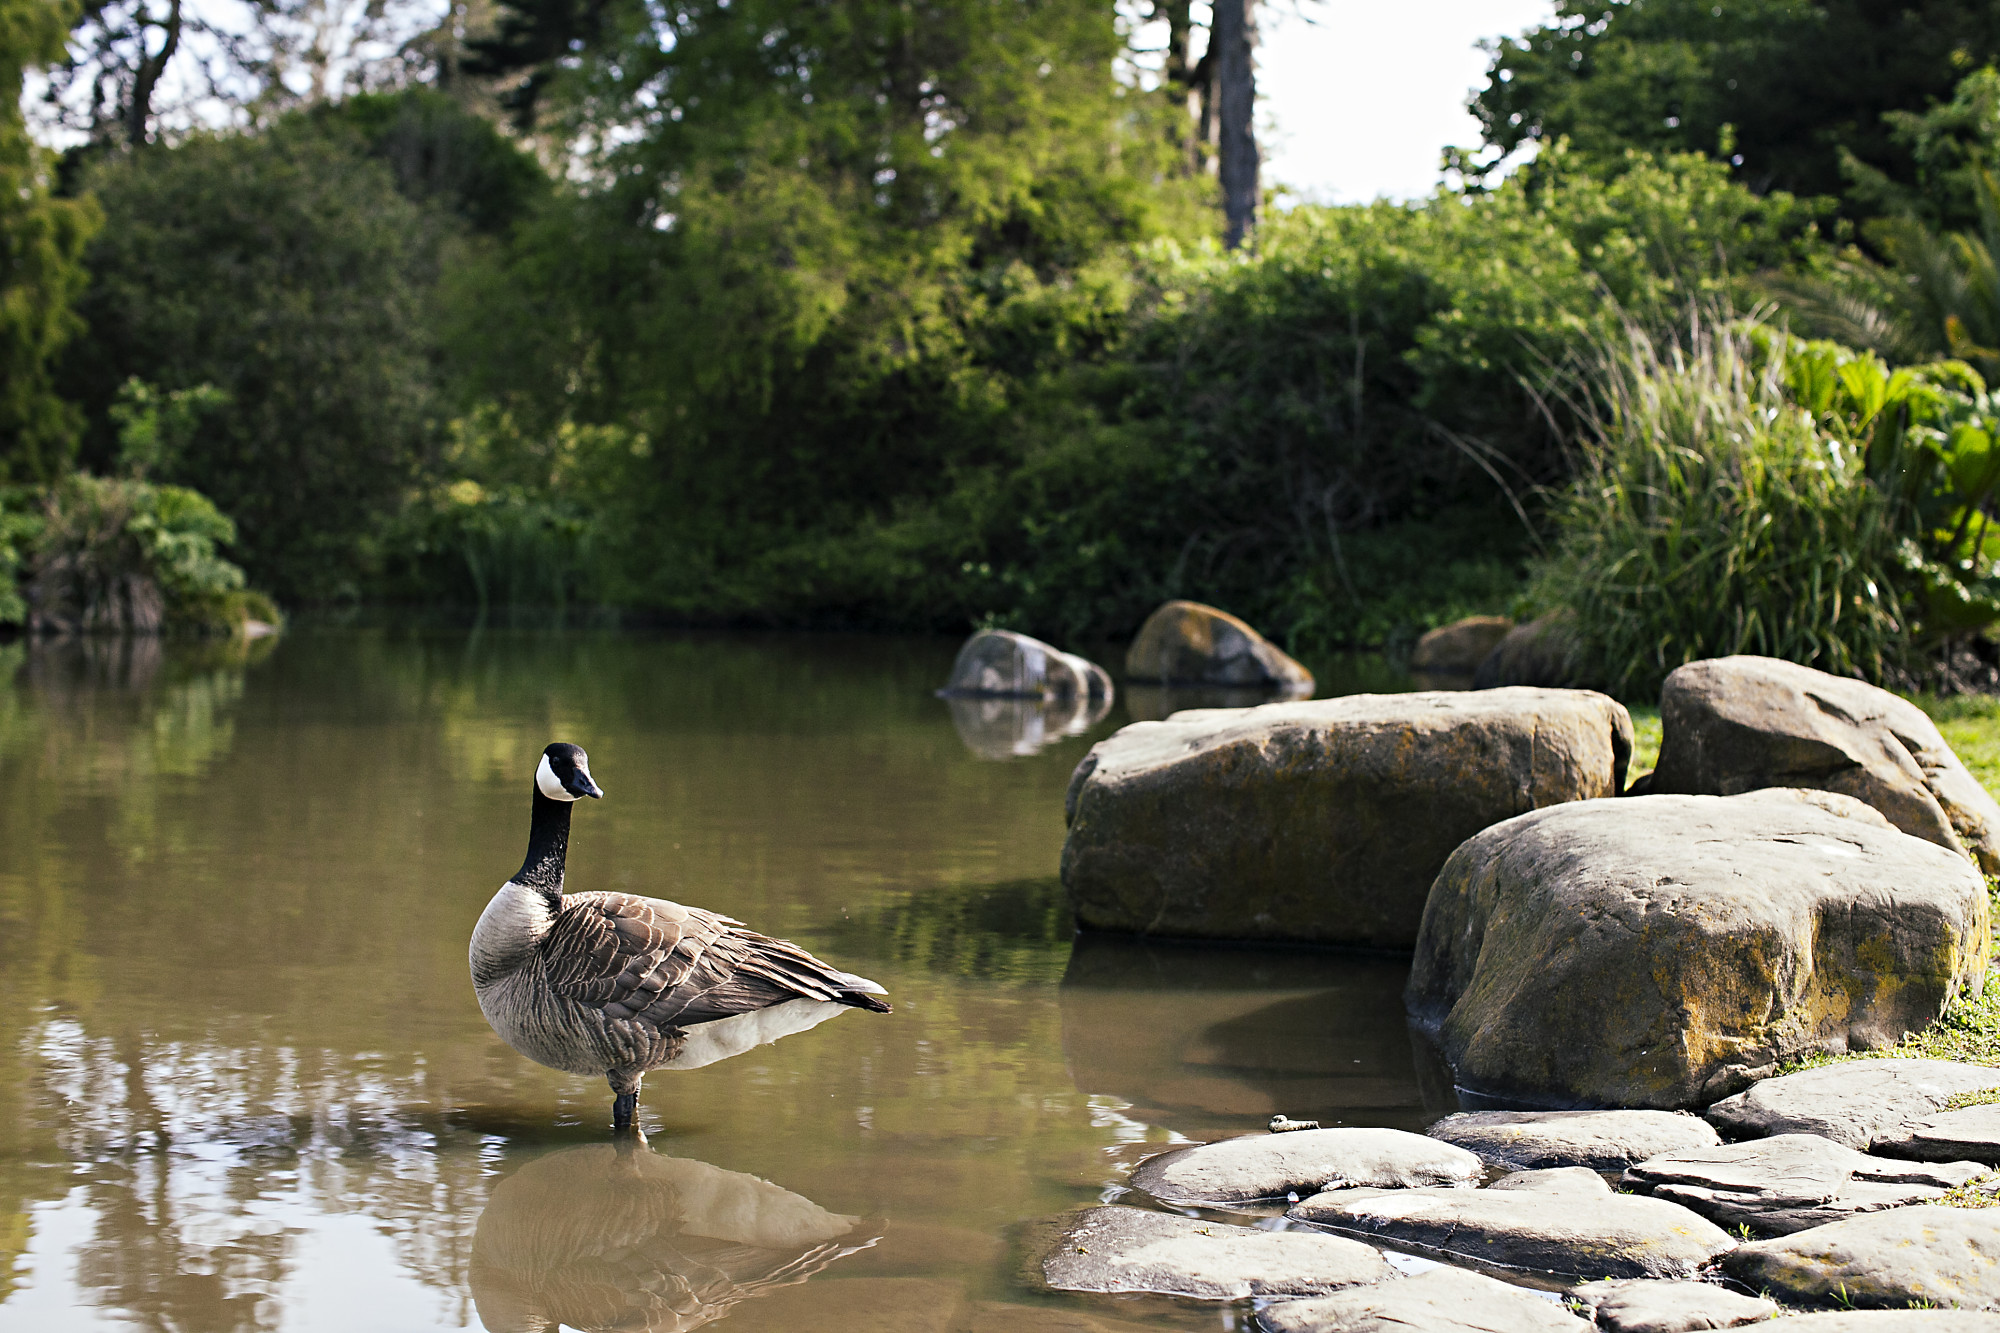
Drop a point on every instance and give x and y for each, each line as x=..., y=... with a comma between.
x=1646, y=741
x=1970, y=724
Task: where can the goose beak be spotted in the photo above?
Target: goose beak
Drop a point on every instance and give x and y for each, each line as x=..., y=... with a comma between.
x=582, y=785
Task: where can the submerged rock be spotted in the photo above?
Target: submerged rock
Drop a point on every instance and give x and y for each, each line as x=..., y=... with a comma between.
x=1635, y=1305
x=1737, y=723
x=1854, y=1103
x=1695, y=941
x=1132, y=1249
x=1600, y=1140
x=1457, y=649
x=1271, y=1166
x=1779, y=1185
x=1572, y=1225
x=1444, y=1300
x=1941, y=1256
x=998, y=663
x=1322, y=821
x=1187, y=643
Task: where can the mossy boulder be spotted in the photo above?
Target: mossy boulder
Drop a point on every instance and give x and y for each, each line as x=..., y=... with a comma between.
x=1323, y=821
x=1666, y=951
x=1734, y=724
x=1187, y=643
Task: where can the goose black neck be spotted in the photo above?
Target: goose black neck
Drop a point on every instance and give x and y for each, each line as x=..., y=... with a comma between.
x=548, y=845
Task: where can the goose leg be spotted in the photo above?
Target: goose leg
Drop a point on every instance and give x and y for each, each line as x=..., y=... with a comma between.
x=625, y=1099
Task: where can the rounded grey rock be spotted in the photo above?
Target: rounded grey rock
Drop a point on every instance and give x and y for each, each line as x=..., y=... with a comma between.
x=1629, y=1305
x=1116, y=1249
x=1272, y=1166
x=1948, y=1257
x=1600, y=1140
x=1444, y=1300
x=1854, y=1102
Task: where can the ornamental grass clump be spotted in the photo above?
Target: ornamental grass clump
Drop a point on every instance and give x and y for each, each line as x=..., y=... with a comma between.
x=1712, y=513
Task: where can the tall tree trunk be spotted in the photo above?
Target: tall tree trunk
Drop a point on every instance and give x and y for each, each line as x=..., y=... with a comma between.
x=146, y=77
x=1230, y=40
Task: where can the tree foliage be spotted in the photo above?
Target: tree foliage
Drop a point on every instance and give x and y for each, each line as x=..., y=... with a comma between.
x=1785, y=89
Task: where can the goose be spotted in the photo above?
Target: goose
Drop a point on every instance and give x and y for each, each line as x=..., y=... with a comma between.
x=616, y=984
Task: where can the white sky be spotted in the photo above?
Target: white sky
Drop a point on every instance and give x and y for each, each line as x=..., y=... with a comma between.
x=1358, y=104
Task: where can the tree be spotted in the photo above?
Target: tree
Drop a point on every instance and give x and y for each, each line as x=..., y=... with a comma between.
x=1233, y=35
x=1783, y=89
x=41, y=251
x=285, y=270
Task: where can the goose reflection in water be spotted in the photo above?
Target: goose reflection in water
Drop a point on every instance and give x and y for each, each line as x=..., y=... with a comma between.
x=615, y=1236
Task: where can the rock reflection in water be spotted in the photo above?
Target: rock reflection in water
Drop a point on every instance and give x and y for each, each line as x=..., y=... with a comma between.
x=1008, y=728
x=616, y=1236
x=1210, y=1039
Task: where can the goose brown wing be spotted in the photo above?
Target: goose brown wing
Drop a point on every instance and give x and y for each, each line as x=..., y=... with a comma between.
x=675, y=966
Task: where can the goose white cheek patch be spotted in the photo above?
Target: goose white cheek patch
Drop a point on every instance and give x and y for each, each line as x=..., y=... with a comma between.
x=545, y=779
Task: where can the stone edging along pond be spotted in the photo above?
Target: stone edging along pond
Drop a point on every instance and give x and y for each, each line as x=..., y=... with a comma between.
x=1803, y=877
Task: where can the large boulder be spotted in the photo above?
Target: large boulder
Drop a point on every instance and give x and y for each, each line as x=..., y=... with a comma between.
x=1666, y=951
x=1322, y=821
x=1600, y=1140
x=1789, y=1183
x=1132, y=1249
x=1306, y=1161
x=1541, y=652
x=1734, y=724
x=1457, y=649
x=1444, y=1300
x=1569, y=1222
x=1858, y=1103
x=1929, y=1253
x=1186, y=643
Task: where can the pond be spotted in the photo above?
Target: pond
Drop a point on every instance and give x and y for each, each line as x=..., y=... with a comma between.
x=244, y=1084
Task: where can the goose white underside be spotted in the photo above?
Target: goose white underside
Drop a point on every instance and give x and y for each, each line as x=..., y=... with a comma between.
x=709, y=1042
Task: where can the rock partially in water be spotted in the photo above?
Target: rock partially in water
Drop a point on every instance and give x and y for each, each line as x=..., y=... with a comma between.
x=1970, y=1134
x=1600, y=1140
x=1788, y=1183
x=1187, y=643
x=1566, y=1226
x=1322, y=821
x=1665, y=951
x=1941, y=1256
x=1116, y=1249
x=1541, y=652
x=1272, y=1166
x=1444, y=1300
x=1732, y=724
x=1457, y=649
x=1854, y=1103
x=1634, y=1305
x=998, y=663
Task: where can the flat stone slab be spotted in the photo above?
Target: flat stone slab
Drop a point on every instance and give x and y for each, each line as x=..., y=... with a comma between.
x=1444, y=1300
x=1635, y=1305
x=1554, y=1180
x=1575, y=1228
x=1116, y=1249
x=1853, y=1103
x=1272, y=1166
x=1944, y=1256
x=1791, y=1182
x=1895, y=1321
x=1970, y=1133
x=1600, y=1140
x=1322, y=821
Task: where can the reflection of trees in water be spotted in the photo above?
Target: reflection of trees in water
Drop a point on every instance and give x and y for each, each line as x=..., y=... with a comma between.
x=205, y=1161
x=1015, y=932
x=615, y=1236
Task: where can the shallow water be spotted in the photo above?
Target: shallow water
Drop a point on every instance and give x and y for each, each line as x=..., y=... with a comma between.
x=244, y=1083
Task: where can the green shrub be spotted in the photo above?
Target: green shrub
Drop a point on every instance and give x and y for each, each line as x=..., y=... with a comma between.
x=1741, y=491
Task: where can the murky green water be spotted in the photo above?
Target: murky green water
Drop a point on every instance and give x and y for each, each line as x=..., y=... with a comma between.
x=244, y=1084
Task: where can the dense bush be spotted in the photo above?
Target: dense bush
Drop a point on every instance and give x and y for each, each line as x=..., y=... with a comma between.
x=1741, y=491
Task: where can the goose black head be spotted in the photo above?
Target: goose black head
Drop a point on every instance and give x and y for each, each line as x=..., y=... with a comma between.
x=564, y=773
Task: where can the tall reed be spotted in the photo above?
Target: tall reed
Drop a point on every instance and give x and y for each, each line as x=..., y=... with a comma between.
x=1710, y=515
